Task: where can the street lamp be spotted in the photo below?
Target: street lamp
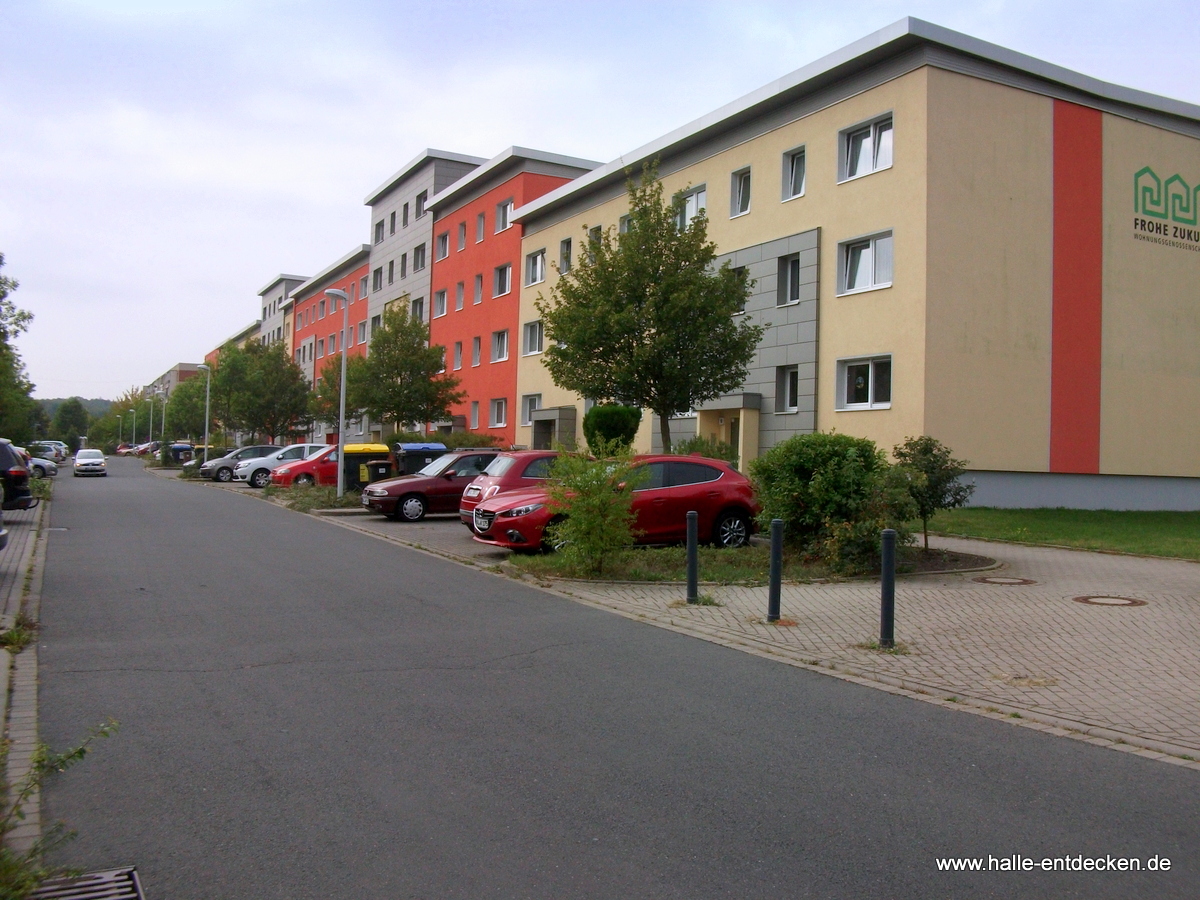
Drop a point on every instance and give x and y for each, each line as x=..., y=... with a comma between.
x=150, y=400
x=120, y=425
x=207, y=385
x=162, y=428
x=133, y=440
x=341, y=487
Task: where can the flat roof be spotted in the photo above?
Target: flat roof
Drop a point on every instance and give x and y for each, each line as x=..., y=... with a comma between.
x=510, y=158
x=282, y=277
x=903, y=35
x=426, y=155
x=362, y=251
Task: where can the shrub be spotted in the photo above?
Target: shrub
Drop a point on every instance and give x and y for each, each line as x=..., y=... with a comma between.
x=852, y=546
x=940, y=487
x=710, y=447
x=459, y=439
x=611, y=423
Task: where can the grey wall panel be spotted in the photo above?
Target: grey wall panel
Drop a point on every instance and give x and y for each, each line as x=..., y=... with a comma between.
x=1038, y=490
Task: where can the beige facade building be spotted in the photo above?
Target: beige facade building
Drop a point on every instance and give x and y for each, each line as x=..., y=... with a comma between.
x=946, y=238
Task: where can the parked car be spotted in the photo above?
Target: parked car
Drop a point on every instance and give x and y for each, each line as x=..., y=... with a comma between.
x=40, y=467
x=90, y=462
x=221, y=468
x=364, y=463
x=15, y=475
x=124, y=449
x=667, y=488
x=437, y=488
x=53, y=450
x=509, y=471
x=147, y=449
x=257, y=471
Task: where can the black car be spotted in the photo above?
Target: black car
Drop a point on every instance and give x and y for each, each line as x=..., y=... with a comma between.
x=15, y=475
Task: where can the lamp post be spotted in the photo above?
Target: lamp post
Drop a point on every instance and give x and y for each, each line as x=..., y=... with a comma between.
x=133, y=439
x=207, y=385
x=120, y=433
x=150, y=400
x=162, y=428
x=341, y=487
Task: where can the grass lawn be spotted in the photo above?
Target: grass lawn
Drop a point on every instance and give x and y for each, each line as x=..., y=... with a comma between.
x=305, y=498
x=1152, y=533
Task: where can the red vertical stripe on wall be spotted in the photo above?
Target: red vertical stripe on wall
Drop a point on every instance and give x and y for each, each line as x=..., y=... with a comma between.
x=1078, y=288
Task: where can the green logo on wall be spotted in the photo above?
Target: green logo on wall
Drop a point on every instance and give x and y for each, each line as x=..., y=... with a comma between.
x=1171, y=199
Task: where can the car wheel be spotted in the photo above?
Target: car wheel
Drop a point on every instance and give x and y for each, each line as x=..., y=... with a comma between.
x=260, y=478
x=732, y=530
x=224, y=475
x=410, y=508
x=39, y=471
x=306, y=480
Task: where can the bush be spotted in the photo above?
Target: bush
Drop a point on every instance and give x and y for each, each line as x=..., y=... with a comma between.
x=853, y=546
x=611, y=423
x=710, y=447
x=459, y=439
x=940, y=487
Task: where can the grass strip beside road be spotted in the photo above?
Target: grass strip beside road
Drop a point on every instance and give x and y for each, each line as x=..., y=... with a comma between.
x=1174, y=534
x=305, y=498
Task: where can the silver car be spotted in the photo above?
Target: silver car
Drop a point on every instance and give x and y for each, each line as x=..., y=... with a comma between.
x=90, y=462
x=257, y=472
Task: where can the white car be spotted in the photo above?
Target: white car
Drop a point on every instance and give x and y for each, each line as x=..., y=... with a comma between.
x=257, y=472
x=90, y=462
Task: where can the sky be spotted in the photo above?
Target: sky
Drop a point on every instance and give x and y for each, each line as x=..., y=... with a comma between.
x=161, y=161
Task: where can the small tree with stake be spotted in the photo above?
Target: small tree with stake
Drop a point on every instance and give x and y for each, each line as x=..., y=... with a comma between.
x=940, y=488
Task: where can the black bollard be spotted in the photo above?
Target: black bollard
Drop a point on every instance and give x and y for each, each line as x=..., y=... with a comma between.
x=693, y=556
x=776, y=576
x=887, y=589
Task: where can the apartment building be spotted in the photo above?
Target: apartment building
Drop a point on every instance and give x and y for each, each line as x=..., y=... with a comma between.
x=276, y=302
x=402, y=230
x=319, y=319
x=478, y=270
x=949, y=238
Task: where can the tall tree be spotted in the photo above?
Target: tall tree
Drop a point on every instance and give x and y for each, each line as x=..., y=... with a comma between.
x=71, y=422
x=229, y=381
x=325, y=400
x=644, y=318
x=274, y=401
x=185, y=410
x=20, y=414
x=402, y=380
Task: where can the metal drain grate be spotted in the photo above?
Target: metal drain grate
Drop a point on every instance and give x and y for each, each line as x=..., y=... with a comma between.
x=112, y=884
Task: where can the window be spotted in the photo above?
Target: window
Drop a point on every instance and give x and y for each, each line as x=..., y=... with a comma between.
x=479, y=228
x=475, y=350
x=475, y=412
x=362, y=332
x=457, y=355
x=403, y=265
x=534, y=337
x=623, y=224
x=499, y=345
x=462, y=235
x=564, y=256
x=333, y=344
x=391, y=270
x=379, y=232
x=333, y=305
x=503, y=215
x=321, y=310
x=439, y=304
x=404, y=216
x=864, y=383
x=788, y=283
x=362, y=286
x=529, y=403
x=503, y=280
x=392, y=225
x=595, y=235
x=458, y=296
x=695, y=202
x=443, y=245
x=376, y=324
x=866, y=148
x=793, y=173
x=418, y=257
x=377, y=279
x=320, y=348
x=478, y=289
x=418, y=309
x=350, y=337
x=422, y=199
x=865, y=264
x=787, y=389
x=499, y=413
x=535, y=267
x=739, y=193
x=742, y=274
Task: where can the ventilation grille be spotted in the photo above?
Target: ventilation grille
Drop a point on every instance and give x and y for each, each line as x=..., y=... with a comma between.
x=113, y=884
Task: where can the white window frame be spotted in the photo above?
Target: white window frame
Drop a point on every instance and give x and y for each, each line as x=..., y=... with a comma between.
x=502, y=278
x=459, y=290
x=873, y=243
x=462, y=235
x=442, y=247
x=457, y=355
x=788, y=293
x=787, y=379
x=417, y=309
x=529, y=402
x=439, y=304
x=498, y=412
x=533, y=338
x=874, y=130
x=535, y=267
x=422, y=200
x=843, y=366
x=480, y=228
x=504, y=211
x=478, y=289
x=564, y=256
x=362, y=331
x=476, y=350
x=700, y=194
x=418, y=257
x=789, y=169
x=499, y=345
x=474, y=413
x=740, y=183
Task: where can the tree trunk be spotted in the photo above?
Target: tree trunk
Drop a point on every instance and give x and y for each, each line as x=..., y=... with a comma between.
x=925, y=528
x=664, y=429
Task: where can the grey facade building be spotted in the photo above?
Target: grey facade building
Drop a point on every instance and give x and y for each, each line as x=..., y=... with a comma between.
x=173, y=377
x=275, y=300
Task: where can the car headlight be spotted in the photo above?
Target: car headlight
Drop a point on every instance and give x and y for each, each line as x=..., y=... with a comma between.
x=377, y=492
x=284, y=471
x=522, y=510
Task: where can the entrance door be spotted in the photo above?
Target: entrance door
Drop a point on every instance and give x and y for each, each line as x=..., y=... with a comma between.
x=543, y=434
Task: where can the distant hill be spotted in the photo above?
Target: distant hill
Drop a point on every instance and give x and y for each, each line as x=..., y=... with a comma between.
x=95, y=407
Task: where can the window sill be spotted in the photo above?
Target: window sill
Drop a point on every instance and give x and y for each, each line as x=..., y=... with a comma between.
x=739, y=215
x=863, y=407
x=501, y=231
x=532, y=353
x=789, y=303
x=866, y=290
x=532, y=283
x=793, y=197
x=504, y=294
x=502, y=359
x=863, y=175
x=787, y=412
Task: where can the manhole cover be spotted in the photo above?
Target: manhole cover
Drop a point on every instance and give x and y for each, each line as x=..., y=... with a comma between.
x=1002, y=579
x=112, y=884
x=1100, y=600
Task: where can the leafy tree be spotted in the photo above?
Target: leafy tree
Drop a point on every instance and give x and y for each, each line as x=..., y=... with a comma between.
x=20, y=414
x=609, y=422
x=644, y=319
x=273, y=402
x=185, y=409
x=402, y=379
x=324, y=401
x=71, y=421
x=106, y=431
x=229, y=382
x=940, y=488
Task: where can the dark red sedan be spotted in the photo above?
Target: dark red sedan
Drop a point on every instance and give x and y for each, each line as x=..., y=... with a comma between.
x=437, y=488
x=670, y=487
x=509, y=471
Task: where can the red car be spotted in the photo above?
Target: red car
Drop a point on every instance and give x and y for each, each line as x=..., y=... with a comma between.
x=673, y=486
x=509, y=471
x=437, y=488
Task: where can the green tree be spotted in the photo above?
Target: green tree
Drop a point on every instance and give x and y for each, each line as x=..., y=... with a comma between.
x=185, y=410
x=402, y=380
x=107, y=431
x=608, y=422
x=273, y=402
x=324, y=401
x=644, y=318
x=940, y=488
x=229, y=382
x=20, y=414
x=71, y=422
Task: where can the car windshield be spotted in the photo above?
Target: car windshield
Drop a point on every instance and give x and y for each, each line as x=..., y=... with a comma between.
x=439, y=465
x=500, y=465
x=89, y=454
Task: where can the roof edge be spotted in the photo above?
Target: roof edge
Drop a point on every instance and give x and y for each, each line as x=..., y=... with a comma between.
x=513, y=154
x=282, y=277
x=427, y=155
x=362, y=250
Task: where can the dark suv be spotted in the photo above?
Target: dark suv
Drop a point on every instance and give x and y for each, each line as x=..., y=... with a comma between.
x=15, y=474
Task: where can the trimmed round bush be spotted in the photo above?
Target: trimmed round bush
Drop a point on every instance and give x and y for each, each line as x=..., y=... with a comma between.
x=608, y=424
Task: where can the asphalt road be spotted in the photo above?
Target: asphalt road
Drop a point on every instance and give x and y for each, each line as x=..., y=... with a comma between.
x=307, y=712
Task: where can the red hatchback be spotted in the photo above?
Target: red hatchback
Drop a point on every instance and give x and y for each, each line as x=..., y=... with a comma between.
x=671, y=487
x=437, y=488
x=509, y=471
